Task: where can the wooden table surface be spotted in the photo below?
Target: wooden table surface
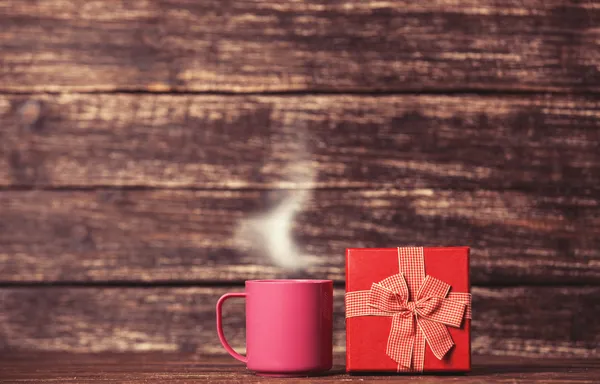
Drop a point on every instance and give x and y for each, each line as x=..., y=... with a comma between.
x=180, y=368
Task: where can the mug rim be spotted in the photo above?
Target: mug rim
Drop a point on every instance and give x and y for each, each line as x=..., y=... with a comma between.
x=290, y=281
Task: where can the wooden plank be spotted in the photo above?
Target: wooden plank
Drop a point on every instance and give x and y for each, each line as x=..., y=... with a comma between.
x=540, y=321
x=311, y=45
x=134, y=368
x=543, y=144
x=201, y=236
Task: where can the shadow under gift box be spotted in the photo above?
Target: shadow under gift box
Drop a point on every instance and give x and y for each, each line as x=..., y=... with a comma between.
x=367, y=336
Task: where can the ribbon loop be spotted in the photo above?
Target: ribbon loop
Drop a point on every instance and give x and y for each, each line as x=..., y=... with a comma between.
x=444, y=311
x=383, y=299
x=397, y=284
x=433, y=287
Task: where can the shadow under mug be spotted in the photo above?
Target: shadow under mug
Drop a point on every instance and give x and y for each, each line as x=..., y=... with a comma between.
x=288, y=326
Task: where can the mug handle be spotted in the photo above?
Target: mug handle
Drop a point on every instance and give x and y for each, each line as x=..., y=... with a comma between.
x=226, y=345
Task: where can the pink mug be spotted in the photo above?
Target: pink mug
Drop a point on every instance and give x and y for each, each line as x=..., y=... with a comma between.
x=288, y=326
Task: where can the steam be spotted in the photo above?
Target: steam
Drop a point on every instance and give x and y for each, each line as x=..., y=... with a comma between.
x=271, y=233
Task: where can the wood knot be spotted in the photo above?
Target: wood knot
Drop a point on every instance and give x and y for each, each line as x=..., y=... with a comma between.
x=29, y=113
x=82, y=237
x=80, y=232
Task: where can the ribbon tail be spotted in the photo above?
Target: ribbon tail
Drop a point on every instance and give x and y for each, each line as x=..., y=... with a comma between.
x=419, y=352
x=401, y=340
x=437, y=336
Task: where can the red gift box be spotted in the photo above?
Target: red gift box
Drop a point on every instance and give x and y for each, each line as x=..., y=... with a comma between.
x=408, y=309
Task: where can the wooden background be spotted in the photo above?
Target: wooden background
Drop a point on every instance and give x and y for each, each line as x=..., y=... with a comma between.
x=142, y=143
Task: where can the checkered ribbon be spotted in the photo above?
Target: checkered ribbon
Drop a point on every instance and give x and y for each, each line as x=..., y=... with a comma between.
x=424, y=319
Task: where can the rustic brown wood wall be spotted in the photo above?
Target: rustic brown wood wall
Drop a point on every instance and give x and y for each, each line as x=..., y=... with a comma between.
x=135, y=137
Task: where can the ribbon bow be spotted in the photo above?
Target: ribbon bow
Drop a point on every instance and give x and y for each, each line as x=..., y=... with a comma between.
x=430, y=311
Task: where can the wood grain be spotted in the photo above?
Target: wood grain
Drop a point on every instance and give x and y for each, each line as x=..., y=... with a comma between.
x=526, y=321
x=165, y=235
x=77, y=45
x=540, y=144
x=134, y=368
